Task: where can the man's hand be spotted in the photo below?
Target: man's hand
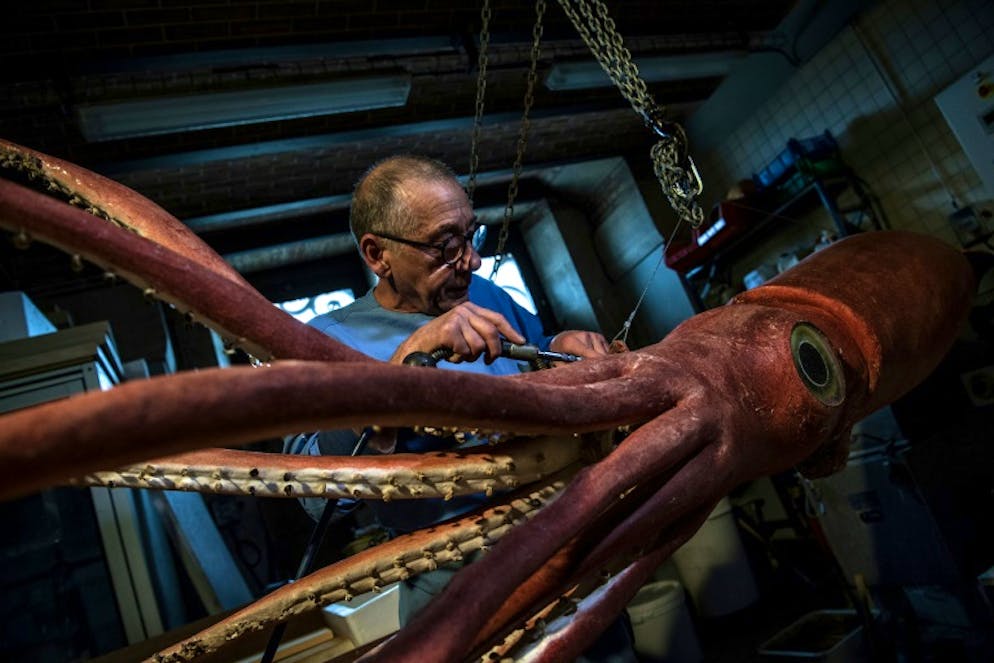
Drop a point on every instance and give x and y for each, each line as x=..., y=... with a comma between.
x=468, y=330
x=582, y=343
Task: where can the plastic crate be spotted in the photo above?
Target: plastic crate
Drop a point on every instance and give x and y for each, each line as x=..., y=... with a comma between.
x=812, y=149
x=825, y=636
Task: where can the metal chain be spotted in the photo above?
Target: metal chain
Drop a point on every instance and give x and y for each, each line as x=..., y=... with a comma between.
x=481, y=90
x=671, y=161
x=512, y=189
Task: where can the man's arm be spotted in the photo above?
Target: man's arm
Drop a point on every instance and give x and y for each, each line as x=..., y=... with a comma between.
x=468, y=330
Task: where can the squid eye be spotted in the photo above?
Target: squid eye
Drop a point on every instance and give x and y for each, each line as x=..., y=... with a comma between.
x=817, y=364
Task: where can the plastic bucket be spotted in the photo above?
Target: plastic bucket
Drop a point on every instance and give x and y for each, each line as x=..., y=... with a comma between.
x=713, y=566
x=662, y=625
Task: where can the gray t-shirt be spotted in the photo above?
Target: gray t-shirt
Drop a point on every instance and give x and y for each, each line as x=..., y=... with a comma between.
x=368, y=327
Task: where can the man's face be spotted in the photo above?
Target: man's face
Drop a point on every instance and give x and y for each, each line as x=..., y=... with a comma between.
x=422, y=280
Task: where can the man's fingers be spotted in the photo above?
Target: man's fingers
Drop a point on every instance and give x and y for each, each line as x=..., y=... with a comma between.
x=481, y=330
x=510, y=333
x=473, y=343
x=498, y=321
x=597, y=345
x=487, y=333
x=469, y=331
x=601, y=344
x=583, y=343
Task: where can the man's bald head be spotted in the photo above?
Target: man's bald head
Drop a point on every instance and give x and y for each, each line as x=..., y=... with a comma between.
x=379, y=200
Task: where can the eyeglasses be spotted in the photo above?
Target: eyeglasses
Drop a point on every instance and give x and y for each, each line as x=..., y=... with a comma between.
x=453, y=248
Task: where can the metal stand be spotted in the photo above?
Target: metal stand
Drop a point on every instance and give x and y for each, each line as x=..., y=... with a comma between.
x=310, y=552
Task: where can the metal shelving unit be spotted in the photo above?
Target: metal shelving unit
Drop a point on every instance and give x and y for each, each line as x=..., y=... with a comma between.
x=863, y=214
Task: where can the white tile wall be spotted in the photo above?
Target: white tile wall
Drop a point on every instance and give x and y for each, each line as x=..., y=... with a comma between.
x=883, y=115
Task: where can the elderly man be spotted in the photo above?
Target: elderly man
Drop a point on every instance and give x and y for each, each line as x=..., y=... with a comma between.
x=415, y=229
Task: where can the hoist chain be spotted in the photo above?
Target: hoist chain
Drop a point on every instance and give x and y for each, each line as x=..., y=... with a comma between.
x=481, y=90
x=519, y=157
x=671, y=160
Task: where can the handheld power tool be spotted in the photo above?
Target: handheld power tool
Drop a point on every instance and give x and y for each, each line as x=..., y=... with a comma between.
x=507, y=349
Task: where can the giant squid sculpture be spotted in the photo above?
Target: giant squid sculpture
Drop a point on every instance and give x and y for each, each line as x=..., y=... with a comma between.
x=599, y=469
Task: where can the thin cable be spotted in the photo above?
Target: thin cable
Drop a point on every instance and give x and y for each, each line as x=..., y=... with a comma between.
x=627, y=325
x=766, y=213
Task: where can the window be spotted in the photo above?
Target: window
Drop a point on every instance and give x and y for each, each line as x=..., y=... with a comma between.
x=306, y=308
x=509, y=278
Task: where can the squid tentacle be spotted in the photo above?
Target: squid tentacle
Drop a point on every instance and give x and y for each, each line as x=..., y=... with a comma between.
x=229, y=306
x=112, y=203
x=670, y=512
x=398, y=476
x=582, y=564
x=652, y=449
x=569, y=635
x=205, y=408
x=395, y=560
x=559, y=575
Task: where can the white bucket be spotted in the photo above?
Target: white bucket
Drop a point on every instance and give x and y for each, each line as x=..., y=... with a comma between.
x=713, y=566
x=662, y=625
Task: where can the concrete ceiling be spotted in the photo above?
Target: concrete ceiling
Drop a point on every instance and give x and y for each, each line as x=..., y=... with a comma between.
x=261, y=184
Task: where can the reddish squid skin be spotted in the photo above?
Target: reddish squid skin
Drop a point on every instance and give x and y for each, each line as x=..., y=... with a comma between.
x=127, y=207
x=718, y=402
x=740, y=404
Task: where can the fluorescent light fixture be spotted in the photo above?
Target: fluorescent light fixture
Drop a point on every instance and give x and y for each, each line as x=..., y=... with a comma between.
x=590, y=74
x=165, y=115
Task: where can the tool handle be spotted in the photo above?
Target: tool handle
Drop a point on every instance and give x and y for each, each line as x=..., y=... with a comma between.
x=430, y=359
x=515, y=351
x=532, y=353
x=507, y=349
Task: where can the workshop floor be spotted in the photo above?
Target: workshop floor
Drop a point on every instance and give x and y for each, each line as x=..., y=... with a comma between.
x=739, y=637
x=785, y=596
